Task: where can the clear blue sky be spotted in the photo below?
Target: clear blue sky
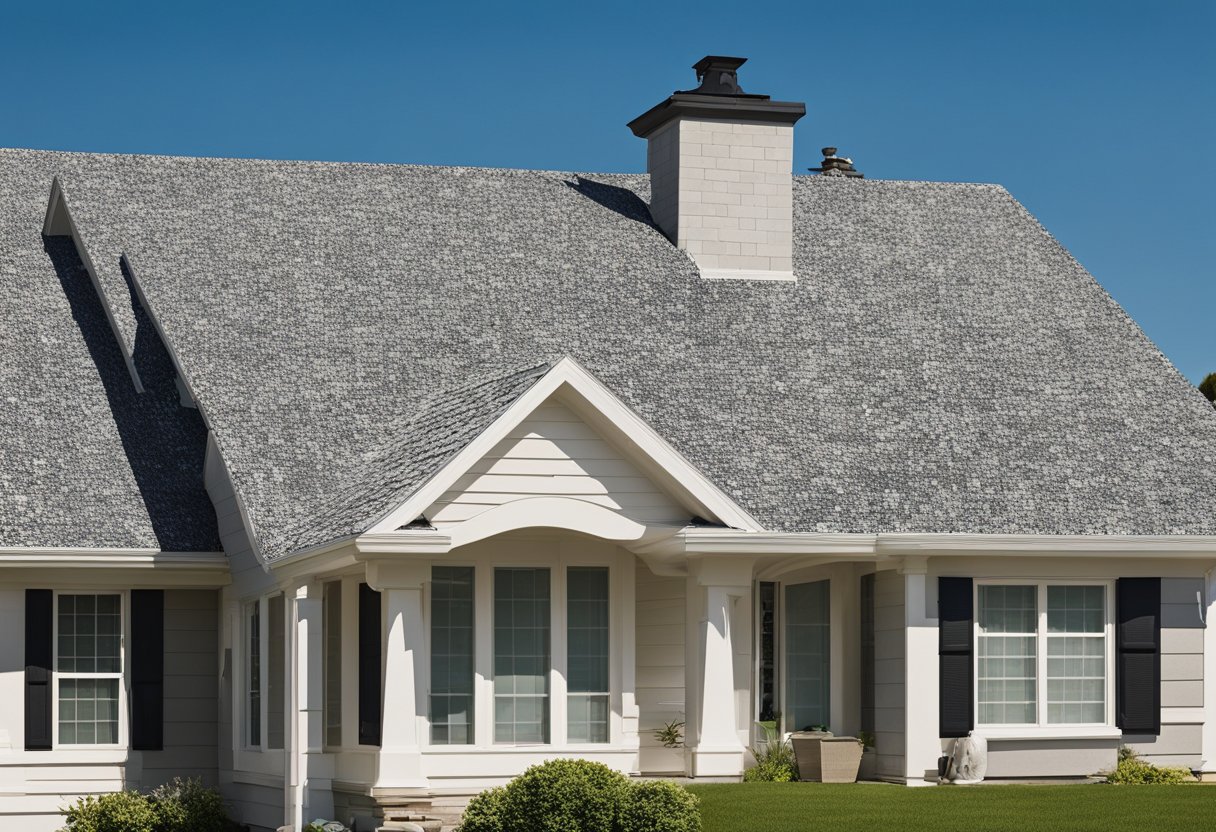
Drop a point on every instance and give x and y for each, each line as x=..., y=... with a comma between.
x=1099, y=115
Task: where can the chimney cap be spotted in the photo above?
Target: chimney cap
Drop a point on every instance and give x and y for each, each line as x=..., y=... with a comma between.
x=718, y=97
x=833, y=165
x=717, y=62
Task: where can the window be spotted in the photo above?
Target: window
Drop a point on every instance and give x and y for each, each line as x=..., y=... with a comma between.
x=869, y=665
x=451, y=703
x=807, y=655
x=1041, y=654
x=253, y=671
x=521, y=655
x=88, y=668
x=265, y=668
x=767, y=671
x=587, y=654
x=276, y=668
x=332, y=613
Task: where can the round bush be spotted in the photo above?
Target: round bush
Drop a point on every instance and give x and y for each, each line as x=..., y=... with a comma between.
x=660, y=806
x=564, y=796
x=116, y=812
x=188, y=806
x=484, y=812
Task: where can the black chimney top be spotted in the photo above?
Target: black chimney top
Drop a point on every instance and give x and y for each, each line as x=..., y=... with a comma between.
x=719, y=75
x=719, y=96
x=833, y=165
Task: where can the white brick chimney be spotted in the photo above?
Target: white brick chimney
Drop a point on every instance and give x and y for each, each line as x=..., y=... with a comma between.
x=721, y=178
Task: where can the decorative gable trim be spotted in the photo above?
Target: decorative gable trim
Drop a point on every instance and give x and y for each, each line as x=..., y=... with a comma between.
x=601, y=408
x=59, y=223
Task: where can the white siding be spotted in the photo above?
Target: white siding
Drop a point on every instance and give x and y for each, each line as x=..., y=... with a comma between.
x=660, y=665
x=191, y=690
x=554, y=453
x=889, y=631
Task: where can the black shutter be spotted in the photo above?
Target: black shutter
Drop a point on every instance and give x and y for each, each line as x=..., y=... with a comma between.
x=1138, y=655
x=39, y=653
x=147, y=669
x=369, y=665
x=956, y=618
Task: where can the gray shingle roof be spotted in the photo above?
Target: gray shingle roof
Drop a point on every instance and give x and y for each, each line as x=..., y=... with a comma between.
x=85, y=461
x=941, y=365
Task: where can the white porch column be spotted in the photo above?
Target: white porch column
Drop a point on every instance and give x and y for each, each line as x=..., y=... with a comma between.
x=404, y=704
x=717, y=751
x=311, y=772
x=1208, y=766
x=922, y=733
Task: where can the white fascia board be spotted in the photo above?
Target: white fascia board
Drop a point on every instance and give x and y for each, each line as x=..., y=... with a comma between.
x=60, y=223
x=570, y=373
x=730, y=541
x=78, y=557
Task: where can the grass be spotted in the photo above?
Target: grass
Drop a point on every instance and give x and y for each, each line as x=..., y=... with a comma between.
x=873, y=807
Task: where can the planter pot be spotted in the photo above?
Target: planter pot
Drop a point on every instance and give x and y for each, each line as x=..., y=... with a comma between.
x=868, y=770
x=823, y=758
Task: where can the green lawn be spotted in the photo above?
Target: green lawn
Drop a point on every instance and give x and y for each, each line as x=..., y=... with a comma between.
x=872, y=807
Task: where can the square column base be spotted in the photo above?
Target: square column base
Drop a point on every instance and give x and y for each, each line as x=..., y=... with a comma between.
x=716, y=762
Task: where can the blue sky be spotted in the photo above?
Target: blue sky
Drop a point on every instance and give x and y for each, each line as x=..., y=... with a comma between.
x=1099, y=116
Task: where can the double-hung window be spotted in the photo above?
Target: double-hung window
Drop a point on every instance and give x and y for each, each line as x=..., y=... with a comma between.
x=265, y=672
x=1042, y=654
x=88, y=668
x=451, y=702
x=587, y=654
x=521, y=655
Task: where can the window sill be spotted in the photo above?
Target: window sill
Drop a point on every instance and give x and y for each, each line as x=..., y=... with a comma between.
x=1051, y=732
x=544, y=748
x=111, y=755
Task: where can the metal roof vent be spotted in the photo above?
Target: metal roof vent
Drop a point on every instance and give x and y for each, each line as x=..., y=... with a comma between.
x=833, y=165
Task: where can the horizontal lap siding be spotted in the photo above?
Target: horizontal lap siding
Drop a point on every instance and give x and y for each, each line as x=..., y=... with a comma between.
x=660, y=664
x=554, y=453
x=889, y=651
x=1182, y=634
x=191, y=690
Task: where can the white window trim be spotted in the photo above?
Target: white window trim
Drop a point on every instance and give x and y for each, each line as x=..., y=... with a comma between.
x=247, y=674
x=122, y=676
x=1042, y=728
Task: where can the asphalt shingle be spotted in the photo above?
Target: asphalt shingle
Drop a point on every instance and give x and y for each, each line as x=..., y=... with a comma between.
x=941, y=364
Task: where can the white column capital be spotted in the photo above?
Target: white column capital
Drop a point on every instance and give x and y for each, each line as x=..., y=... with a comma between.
x=733, y=571
x=395, y=574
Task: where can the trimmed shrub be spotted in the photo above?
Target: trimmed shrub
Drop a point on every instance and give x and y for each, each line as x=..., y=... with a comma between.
x=484, y=812
x=564, y=796
x=188, y=806
x=116, y=812
x=581, y=796
x=1132, y=771
x=660, y=806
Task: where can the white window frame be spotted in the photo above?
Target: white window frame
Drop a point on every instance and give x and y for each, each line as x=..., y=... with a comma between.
x=57, y=676
x=1041, y=638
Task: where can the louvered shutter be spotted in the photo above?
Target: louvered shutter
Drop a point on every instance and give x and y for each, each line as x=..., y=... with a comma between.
x=1138, y=655
x=147, y=669
x=369, y=665
x=39, y=655
x=956, y=618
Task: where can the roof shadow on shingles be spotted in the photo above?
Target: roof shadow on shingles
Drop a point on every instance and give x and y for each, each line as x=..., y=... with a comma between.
x=164, y=443
x=615, y=198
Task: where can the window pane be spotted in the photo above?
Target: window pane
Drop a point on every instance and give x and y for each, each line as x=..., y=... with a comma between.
x=276, y=668
x=88, y=711
x=1007, y=677
x=254, y=673
x=521, y=655
x=1076, y=654
x=452, y=655
x=807, y=655
x=587, y=635
x=332, y=614
x=89, y=634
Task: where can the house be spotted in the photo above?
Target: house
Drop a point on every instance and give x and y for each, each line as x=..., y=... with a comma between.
x=353, y=487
